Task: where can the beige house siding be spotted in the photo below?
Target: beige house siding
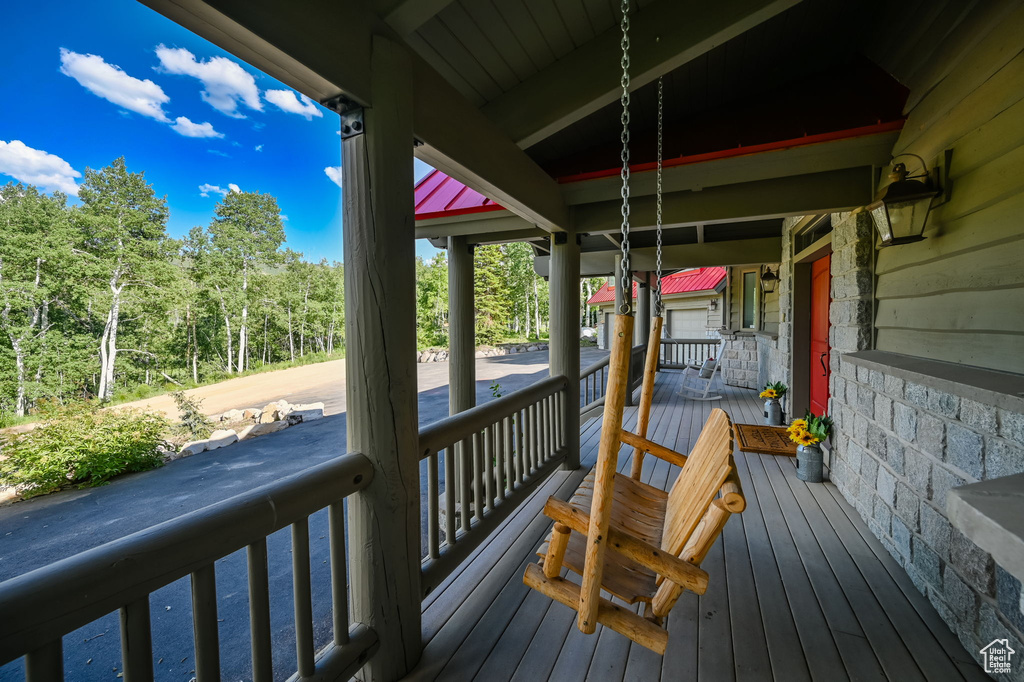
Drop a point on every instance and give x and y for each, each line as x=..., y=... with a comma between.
x=937, y=298
x=767, y=305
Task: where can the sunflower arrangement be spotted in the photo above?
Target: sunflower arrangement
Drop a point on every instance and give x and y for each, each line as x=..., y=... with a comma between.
x=774, y=390
x=810, y=430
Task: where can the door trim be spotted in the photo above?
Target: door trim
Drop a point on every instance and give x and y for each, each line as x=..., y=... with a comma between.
x=800, y=391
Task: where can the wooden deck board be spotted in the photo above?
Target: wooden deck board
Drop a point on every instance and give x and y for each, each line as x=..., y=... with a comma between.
x=800, y=589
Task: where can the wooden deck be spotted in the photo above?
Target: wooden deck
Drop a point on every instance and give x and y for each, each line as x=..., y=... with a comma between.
x=800, y=589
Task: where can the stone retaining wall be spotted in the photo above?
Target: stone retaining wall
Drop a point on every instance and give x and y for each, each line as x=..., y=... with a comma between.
x=441, y=354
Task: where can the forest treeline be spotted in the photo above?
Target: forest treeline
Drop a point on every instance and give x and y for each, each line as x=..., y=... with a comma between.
x=97, y=301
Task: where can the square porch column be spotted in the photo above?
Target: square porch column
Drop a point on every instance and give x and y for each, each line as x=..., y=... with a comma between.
x=380, y=327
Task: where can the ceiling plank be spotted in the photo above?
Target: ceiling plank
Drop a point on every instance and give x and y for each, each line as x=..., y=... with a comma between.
x=409, y=15
x=663, y=36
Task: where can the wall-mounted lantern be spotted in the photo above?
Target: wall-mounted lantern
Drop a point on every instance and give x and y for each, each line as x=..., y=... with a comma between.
x=713, y=304
x=769, y=280
x=900, y=210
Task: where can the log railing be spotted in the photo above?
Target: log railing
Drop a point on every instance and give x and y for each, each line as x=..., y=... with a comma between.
x=39, y=608
x=482, y=463
x=677, y=353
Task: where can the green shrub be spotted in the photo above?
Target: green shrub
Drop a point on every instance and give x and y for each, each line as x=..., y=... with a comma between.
x=194, y=424
x=80, y=446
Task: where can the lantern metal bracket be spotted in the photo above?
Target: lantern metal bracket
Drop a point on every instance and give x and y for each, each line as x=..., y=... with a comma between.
x=351, y=113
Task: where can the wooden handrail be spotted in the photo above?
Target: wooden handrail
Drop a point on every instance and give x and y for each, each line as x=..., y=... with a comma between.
x=38, y=608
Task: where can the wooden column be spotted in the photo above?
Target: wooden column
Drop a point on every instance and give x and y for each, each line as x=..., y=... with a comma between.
x=380, y=325
x=643, y=309
x=461, y=327
x=564, y=281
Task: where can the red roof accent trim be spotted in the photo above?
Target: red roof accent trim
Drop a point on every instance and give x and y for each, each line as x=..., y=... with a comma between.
x=805, y=141
x=688, y=281
x=438, y=195
x=460, y=211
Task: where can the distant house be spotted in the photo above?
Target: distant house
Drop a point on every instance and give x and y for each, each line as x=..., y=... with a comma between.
x=693, y=299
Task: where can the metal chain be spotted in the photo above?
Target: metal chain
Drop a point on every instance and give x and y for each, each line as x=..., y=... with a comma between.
x=627, y=278
x=658, y=307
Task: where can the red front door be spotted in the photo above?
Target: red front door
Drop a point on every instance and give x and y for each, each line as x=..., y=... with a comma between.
x=821, y=296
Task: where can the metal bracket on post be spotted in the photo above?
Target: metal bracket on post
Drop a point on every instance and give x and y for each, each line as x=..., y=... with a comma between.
x=351, y=113
x=561, y=237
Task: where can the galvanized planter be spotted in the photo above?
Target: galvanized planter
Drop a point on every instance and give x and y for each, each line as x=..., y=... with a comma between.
x=809, y=461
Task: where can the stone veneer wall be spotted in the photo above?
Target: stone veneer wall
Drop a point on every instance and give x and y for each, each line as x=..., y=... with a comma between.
x=739, y=360
x=900, y=445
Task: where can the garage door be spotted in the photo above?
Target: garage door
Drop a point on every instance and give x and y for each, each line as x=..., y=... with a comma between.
x=688, y=324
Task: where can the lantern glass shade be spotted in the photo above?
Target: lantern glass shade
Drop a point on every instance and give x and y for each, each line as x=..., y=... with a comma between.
x=901, y=211
x=768, y=281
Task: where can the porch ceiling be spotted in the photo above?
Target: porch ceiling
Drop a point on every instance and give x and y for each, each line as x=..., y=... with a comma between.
x=512, y=94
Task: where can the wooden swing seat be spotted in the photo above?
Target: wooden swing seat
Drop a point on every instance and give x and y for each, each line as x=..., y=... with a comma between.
x=656, y=539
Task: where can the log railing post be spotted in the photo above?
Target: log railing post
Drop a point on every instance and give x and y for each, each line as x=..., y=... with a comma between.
x=565, y=338
x=380, y=326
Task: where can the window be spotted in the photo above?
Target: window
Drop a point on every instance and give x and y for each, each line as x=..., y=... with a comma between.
x=749, y=297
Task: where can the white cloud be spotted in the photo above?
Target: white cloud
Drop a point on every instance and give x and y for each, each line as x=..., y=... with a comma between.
x=334, y=173
x=285, y=100
x=184, y=126
x=219, y=153
x=36, y=167
x=114, y=85
x=206, y=189
x=226, y=84
x=259, y=147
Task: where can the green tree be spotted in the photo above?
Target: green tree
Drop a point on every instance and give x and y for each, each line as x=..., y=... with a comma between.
x=123, y=227
x=35, y=255
x=246, y=232
x=432, y=300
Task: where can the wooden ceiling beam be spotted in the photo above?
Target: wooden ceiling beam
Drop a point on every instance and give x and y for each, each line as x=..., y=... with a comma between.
x=830, y=191
x=679, y=257
x=663, y=36
x=409, y=15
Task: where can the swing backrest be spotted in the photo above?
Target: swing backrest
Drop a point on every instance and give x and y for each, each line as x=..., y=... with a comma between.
x=707, y=467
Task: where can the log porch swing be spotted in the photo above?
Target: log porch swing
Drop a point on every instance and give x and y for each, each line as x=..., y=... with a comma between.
x=624, y=537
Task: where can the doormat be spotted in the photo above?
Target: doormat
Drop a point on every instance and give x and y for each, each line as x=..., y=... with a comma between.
x=765, y=440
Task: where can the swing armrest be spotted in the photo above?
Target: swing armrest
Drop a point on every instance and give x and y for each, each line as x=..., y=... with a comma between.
x=673, y=568
x=659, y=451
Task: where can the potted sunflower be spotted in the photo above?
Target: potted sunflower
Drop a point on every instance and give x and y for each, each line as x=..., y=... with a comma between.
x=772, y=393
x=808, y=433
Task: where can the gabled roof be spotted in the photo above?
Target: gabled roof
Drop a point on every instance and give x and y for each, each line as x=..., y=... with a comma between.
x=685, y=282
x=439, y=196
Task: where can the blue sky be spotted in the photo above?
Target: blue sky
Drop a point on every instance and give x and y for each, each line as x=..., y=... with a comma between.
x=87, y=82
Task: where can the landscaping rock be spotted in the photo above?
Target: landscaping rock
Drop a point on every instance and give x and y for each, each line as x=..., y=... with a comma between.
x=251, y=413
x=231, y=416
x=270, y=413
x=257, y=430
x=306, y=413
x=8, y=496
x=192, y=448
x=221, y=438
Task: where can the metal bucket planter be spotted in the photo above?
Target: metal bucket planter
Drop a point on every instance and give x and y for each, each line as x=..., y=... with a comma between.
x=773, y=415
x=809, y=461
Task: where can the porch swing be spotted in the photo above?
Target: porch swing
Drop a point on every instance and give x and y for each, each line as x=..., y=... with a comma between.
x=624, y=537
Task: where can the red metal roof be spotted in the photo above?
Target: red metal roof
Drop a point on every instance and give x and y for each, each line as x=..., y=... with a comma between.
x=440, y=196
x=687, y=281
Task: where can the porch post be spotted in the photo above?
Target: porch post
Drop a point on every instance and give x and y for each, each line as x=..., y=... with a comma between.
x=565, y=335
x=643, y=309
x=380, y=327
x=461, y=327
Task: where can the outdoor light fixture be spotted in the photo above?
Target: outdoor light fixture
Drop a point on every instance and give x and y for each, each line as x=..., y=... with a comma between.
x=769, y=280
x=713, y=304
x=900, y=210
